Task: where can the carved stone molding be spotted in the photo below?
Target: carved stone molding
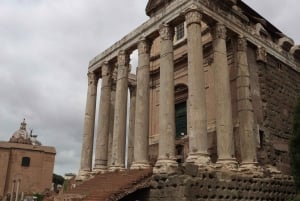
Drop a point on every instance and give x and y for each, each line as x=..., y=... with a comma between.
x=123, y=64
x=143, y=46
x=166, y=32
x=193, y=15
x=105, y=70
x=219, y=31
x=92, y=78
x=242, y=44
x=123, y=58
x=261, y=54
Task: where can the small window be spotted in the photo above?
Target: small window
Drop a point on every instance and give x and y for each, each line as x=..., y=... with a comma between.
x=25, y=161
x=179, y=31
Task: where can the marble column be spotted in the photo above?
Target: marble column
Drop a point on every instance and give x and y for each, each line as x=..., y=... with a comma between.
x=131, y=134
x=111, y=124
x=197, y=126
x=166, y=162
x=141, y=139
x=245, y=108
x=119, y=135
x=88, y=130
x=12, y=190
x=224, y=127
x=103, y=120
x=17, y=190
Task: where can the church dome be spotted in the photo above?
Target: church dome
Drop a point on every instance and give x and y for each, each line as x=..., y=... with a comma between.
x=21, y=136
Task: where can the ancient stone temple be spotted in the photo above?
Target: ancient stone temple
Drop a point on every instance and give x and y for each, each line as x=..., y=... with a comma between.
x=26, y=165
x=212, y=98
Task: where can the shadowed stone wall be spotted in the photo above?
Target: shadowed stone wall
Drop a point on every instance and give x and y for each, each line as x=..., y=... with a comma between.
x=274, y=89
x=219, y=186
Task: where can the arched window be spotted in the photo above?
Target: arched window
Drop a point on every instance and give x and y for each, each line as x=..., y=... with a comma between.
x=25, y=161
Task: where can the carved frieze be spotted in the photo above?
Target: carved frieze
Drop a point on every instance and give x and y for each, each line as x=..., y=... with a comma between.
x=166, y=32
x=261, y=54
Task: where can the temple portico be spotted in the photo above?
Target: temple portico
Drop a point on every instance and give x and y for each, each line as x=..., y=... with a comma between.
x=210, y=61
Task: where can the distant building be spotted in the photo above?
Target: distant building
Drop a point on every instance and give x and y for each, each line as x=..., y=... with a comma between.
x=26, y=166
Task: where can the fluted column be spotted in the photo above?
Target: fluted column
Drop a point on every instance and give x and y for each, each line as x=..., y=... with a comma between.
x=197, y=126
x=245, y=108
x=131, y=134
x=88, y=130
x=119, y=136
x=166, y=162
x=103, y=120
x=141, y=139
x=111, y=124
x=224, y=127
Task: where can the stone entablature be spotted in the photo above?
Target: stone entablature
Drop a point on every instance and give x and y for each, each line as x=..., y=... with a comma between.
x=212, y=11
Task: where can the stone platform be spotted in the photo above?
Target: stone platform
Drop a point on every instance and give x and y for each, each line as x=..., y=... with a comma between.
x=214, y=185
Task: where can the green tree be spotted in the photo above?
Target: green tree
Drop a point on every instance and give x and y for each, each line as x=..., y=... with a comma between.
x=57, y=180
x=295, y=146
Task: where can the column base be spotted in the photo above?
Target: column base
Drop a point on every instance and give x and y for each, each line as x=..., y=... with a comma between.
x=250, y=169
x=83, y=175
x=227, y=164
x=100, y=170
x=165, y=166
x=198, y=159
x=116, y=168
x=140, y=165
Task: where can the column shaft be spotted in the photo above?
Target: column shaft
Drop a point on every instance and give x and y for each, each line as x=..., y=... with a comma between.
x=197, y=126
x=224, y=127
x=141, y=140
x=111, y=124
x=131, y=134
x=245, y=108
x=88, y=130
x=166, y=152
x=103, y=120
x=12, y=190
x=17, y=190
x=119, y=136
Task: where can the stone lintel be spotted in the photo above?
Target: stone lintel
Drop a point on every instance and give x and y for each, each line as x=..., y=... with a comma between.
x=130, y=41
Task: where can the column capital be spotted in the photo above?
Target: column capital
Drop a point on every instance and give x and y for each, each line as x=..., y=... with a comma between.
x=242, y=44
x=143, y=46
x=219, y=31
x=166, y=32
x=123, y=58
x=92, y=78
x=105, y=70
x=193, y=15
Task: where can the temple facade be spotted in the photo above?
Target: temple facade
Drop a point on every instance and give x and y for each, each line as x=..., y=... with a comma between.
x=215, y=86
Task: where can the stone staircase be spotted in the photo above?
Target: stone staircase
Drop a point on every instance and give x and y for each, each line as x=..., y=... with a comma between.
x=110, y=186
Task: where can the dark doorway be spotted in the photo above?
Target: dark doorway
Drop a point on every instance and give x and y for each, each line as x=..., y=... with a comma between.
x=181, y=119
